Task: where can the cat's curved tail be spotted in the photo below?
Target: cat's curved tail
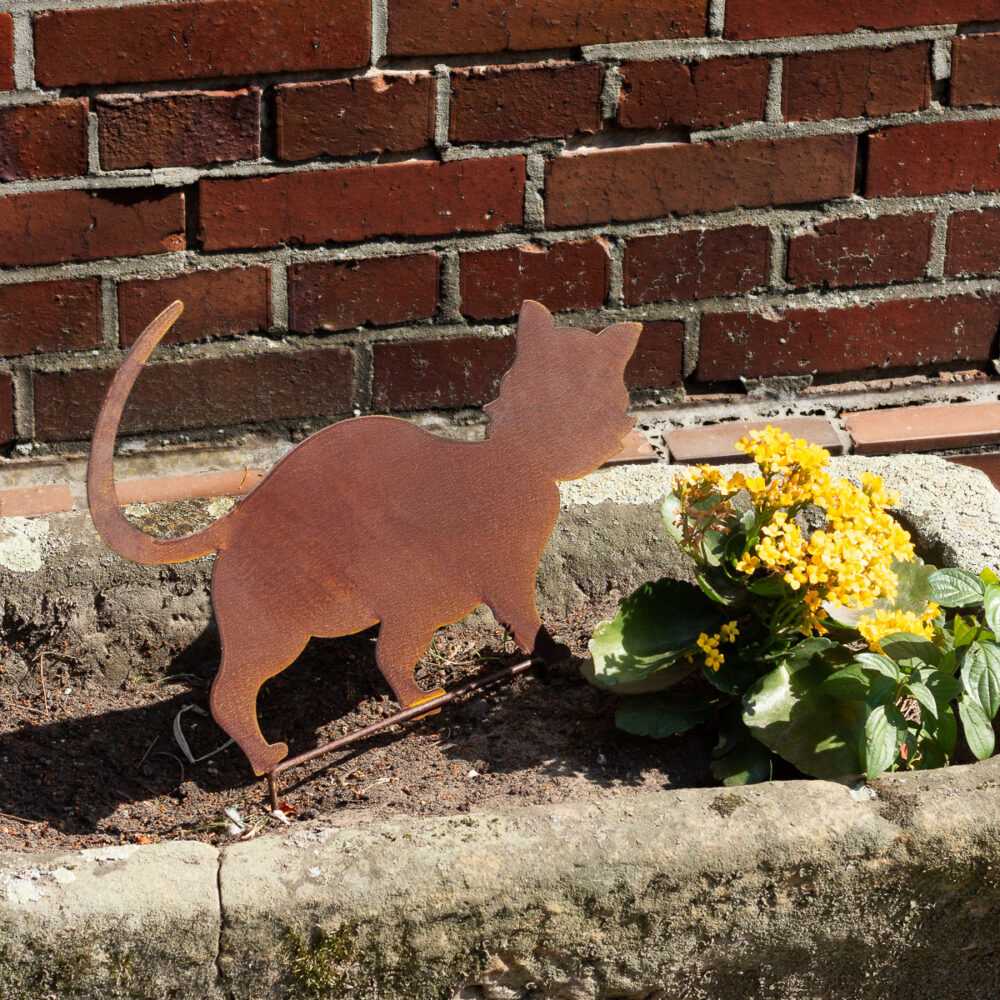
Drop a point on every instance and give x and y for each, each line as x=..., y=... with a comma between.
x=111, y=523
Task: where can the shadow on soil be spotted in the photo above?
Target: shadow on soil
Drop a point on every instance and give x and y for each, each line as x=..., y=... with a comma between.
x=75, y=772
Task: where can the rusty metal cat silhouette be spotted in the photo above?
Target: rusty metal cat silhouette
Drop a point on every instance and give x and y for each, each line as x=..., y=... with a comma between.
x=375, y=520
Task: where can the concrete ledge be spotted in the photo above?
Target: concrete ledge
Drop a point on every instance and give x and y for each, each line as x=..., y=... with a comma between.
x=796, y=890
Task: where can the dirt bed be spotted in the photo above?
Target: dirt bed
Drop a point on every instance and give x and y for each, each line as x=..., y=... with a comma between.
x=84, y=764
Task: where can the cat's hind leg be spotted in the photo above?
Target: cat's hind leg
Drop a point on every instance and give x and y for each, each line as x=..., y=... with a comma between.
x=400, y=647
x=250, y=656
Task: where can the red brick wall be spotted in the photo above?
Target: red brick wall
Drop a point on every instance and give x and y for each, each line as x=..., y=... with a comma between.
x=353, y=201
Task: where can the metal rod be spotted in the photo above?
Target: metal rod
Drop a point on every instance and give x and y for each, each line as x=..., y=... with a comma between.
x=417, y=711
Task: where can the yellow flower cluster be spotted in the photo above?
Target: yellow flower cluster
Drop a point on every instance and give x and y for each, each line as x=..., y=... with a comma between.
x=876, y=627
x=709, y=644
x=848, y=562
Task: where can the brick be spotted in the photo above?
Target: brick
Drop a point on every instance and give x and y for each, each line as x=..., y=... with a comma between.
x=974, y=243
x=6, y=408
x=51, y=227
x=975, y=70
x=167, y=489
x=225, y=303
x=635, y=448
x=186, y=129
x=344, y=294
x=924, y=428
x=439, y=374
x=850, y=252
x=755, y=19
x=50, y=316
x=43, y=140
x=710, y=94
x=36, y=501
x=205, y=38
x=717, y=442
x=428, y=27
x=896, y=334
x=624, y=185
x=368, y=114
x=571, y=275
x=988, y=464
x=696, y=265
x=516, y=103
x=856, y=83
x=417, y=198
x=207, y=392
x=658, y=361
x=934, y=159
x=6, y=52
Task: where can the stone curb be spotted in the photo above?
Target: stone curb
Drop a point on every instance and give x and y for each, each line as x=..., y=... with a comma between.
x=791, y=890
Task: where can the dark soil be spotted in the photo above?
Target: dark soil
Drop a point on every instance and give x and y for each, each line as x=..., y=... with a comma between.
x=85, y=765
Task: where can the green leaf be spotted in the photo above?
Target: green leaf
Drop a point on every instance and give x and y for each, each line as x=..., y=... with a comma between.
x=790, y=712
x=988, y=576
x=910, y=651
x=991, y=605
x=964, y=630
x=980, y=674
x=977, y=728
x=885, y=730
x=653, y=628
x=716, y=587
x=946, y=735
x=713, y=547
x=660, y=716
x=748, y=763
x=924, y=697
x=956, y=588
x=878, y=664
x=768, y=586
x=848, y=684
x=670, y=511
x=942, y=685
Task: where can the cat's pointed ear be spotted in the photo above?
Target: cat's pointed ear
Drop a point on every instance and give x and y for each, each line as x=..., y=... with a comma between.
x=621, y=340
x=534, y=324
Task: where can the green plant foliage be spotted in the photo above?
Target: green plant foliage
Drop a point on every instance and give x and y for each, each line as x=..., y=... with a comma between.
x=796, y=644
x=641, y=641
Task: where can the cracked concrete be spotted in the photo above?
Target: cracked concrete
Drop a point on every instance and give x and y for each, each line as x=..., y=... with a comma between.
x=788, y=891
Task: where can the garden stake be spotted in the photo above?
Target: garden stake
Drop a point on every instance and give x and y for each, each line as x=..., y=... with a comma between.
x=377, y=521
x=406, y=715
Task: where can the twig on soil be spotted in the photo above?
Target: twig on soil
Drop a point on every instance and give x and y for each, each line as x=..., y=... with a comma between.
x=19, y=819
x=41, y=677
x=148, y=751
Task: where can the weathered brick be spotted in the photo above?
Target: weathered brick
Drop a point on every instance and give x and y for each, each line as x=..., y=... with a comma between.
x=43, y=140
x=207, y=392
x=658, y=361
x=6, y=57
x=439, y=374
x=924, y=428
x=862, y=251
x=710, y=94
x=50, y=316
x=6, y=407
x=427, y=27
x=696, y=265
x=187, y=128
x=934, y=159
x=367, y=114
x=717, y=442
x=571, y=275
x=975, y=70
x=338, y=295
x=514, y=103
x=216, y=304
x=623, y=185
x=756, y=19
x=417, y=198
x=205, y=38
x=974, y=242
x=51, y=227
x=895, y=334
x=857, y=82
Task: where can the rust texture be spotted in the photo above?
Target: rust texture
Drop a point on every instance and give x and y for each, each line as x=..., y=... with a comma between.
x=374, y=520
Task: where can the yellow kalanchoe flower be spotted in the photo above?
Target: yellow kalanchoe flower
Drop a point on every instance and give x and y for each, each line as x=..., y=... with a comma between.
x=729, y=631
x=709, y=645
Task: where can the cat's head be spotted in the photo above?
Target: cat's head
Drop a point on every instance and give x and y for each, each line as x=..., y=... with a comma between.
x=565, y=394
